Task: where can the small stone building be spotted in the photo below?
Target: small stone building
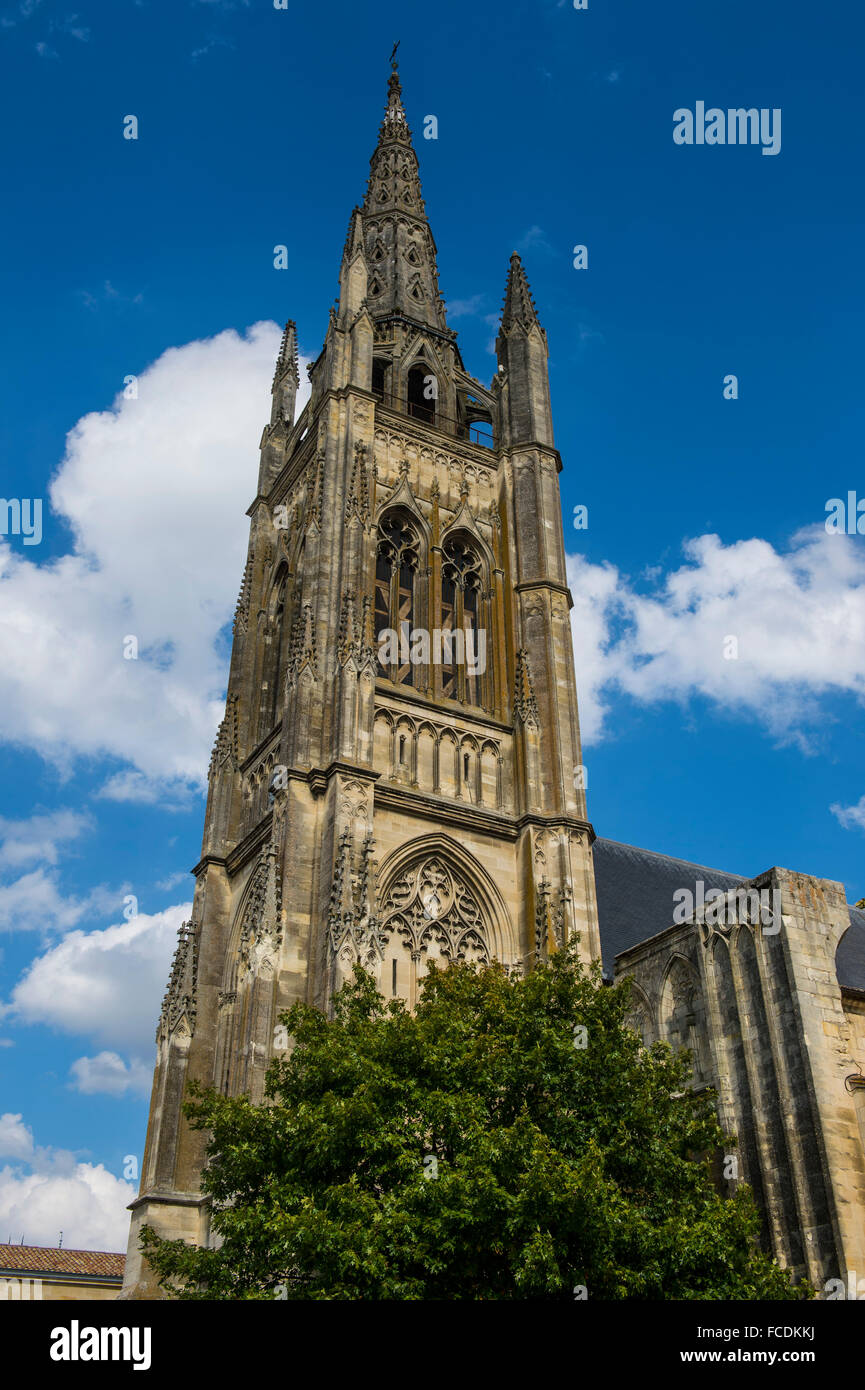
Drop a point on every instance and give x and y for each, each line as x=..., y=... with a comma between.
x=771, y=1004
x=37, y=1273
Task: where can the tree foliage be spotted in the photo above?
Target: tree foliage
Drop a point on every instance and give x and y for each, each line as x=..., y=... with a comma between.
x=473, y=1149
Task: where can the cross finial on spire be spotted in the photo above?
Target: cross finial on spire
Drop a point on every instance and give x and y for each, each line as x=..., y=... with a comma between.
x=402, y=278
x=394, y=116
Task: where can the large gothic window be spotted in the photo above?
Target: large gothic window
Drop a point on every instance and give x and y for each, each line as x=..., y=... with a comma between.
x=464, y=652
x=435, y=913
x=428, y=913
x=395, y=582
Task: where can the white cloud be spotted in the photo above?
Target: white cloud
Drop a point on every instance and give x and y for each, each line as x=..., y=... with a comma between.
x=50, y=1190
x=170, y=794
x=16, y=1139
x=155, y=492
x=534, y=239
x=107, y=1074
x=34, y=902
x=165, y=885
x=595, y=590
x=851, y=817
x=104, y=985
x=798, y=618
x=39, y=837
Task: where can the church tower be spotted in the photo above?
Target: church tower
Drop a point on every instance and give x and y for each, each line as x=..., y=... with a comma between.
x=397, y=778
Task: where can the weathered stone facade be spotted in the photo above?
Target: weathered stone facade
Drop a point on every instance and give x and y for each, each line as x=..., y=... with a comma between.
x=383, y=812
x=396, y=809
x=774, y=1016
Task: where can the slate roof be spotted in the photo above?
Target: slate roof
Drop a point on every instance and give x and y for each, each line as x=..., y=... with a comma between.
x=635, y=901
x=44, y=1260
x=850, y=956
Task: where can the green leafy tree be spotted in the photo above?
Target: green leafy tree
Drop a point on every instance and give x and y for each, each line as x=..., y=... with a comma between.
x=511, y=1139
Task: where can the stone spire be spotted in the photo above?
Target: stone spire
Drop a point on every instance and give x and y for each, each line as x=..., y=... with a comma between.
x=521, y=349
x=392, y=183
x=400, y=250
x=286, y=378
x=287, y=359
x=519, y=307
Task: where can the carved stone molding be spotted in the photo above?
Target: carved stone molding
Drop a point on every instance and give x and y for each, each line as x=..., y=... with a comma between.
x=261, y=924
x=180, y=1003
x=354, y=934
x=241, y=611
x=225, y=745
x=525, y=704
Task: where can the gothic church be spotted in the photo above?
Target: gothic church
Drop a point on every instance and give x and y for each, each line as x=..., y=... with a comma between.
x=421, y=799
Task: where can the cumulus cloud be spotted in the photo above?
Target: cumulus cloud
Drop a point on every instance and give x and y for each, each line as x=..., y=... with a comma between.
x=795, y=619
x=38, y=839
x=104, y=985
x=107, y=1074
x=851, y=817
x=16, y=1140
x=44, y=1191
x=138, y=789
x=35, y=902
x=154, y=491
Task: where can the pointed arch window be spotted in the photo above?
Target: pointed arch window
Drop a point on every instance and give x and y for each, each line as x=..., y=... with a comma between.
x=463, y=643
x=273, y=666
x=422, y=392
x=379, y=370
x=429, y=912
x=396, y=579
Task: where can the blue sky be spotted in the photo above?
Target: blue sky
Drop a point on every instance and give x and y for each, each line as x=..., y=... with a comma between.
x=154, y=258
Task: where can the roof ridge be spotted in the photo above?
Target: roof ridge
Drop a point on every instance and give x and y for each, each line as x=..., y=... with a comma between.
x=672, y=858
